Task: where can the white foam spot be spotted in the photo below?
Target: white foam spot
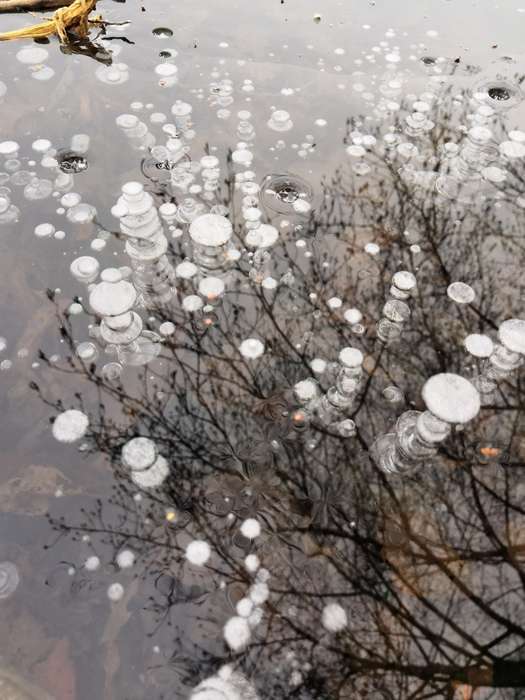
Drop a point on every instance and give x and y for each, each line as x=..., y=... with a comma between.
x=70, y=426
x=198, y=552
x=250, y=528
x=334, y=617
x=237, y=633
x=115, y=592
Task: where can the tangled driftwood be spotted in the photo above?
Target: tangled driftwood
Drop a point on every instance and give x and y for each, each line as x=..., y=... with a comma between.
x=30, y=5
x=74, y=17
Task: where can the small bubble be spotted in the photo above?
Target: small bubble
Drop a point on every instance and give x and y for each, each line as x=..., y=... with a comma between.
x=499, y=93
x=162, y=32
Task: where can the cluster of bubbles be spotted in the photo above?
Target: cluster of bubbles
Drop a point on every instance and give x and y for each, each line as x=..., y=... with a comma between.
x=121, y=296
x=58, y=166
x=34, y=57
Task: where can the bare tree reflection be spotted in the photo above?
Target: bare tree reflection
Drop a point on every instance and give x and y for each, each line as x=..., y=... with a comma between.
x=430, y=568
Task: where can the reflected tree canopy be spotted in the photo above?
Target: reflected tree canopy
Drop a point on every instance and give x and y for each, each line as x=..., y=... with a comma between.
x=426, y=568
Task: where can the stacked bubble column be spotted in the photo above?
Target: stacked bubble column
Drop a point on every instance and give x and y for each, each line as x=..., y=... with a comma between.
x=507, y=357
x=450, y=400
x=113, y=299
x=210, y=235
x=146, y=245
x=396, y=310
x=335, y=405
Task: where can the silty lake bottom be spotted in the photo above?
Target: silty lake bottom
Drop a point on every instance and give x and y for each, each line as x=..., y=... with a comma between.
x=263, y=335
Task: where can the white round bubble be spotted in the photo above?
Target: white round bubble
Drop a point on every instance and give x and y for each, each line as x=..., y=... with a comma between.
x=237, y=633
x=479, y=345
x=69, y=426
x=125, y=559
x=115, y=592
x=334, y=617
x=251, y=348
x=198, y=552
x=461, y=293
x=250, y=528
x=32, y=55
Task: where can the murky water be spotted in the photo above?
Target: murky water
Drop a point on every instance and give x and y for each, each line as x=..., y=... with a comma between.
x=263, y=328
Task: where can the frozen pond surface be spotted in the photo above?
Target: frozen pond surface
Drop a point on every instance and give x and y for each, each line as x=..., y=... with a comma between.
x=262, y=302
